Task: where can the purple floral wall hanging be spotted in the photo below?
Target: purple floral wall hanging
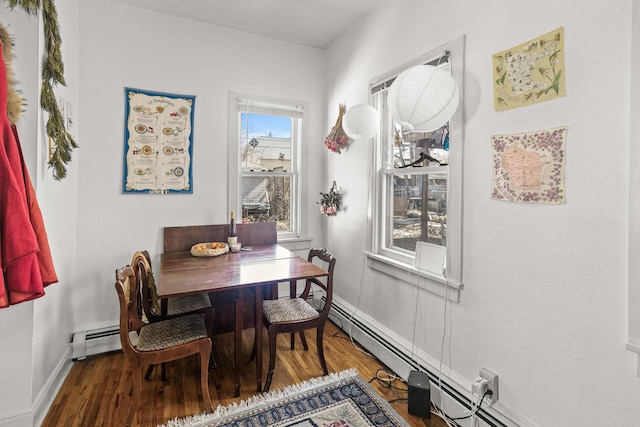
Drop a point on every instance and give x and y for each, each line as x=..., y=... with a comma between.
x=529, y=167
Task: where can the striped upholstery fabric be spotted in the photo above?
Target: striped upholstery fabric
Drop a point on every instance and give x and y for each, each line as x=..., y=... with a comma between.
x=285, y=310
x=185, y=304
x=171, y=332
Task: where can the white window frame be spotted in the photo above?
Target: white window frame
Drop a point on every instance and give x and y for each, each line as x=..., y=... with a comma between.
x=239, y=103
x=401, y=263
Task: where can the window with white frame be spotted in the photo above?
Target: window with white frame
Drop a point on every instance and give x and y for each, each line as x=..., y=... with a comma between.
x=417, y=184
x=264, y=161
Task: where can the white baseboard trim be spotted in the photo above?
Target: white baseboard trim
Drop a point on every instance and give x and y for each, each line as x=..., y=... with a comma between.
x=43, y=401
x=48, y=394
x=453, y=395
x=18, y=419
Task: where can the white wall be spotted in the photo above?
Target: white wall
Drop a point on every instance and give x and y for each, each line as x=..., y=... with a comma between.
x=35, y=335
x=93, y=228
x=53, y=325
x=162, y=53
x=545, y=298
x=634, y=189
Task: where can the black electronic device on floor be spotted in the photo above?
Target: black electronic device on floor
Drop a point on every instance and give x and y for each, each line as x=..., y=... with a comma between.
x=419, y=394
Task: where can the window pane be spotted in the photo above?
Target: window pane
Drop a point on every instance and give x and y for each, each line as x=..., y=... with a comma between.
x=419, y=210
x=264, y=154
x=408, y=146
x=267, y=199
x=265, y=142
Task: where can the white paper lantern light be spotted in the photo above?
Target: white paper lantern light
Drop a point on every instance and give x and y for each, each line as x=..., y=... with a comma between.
x=423, y=98
x=361, y=122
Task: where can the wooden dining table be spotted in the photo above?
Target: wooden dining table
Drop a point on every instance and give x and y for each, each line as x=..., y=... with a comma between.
x=254, y=268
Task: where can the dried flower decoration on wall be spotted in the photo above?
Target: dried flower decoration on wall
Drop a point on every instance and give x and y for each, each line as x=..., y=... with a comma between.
x=330, y=202
x=337, y=139
x=15, y=102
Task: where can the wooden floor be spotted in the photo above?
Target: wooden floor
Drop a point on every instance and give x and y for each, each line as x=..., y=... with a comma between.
x=96, y=391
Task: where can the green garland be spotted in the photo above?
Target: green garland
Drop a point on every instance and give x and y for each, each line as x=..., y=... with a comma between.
x=52, y=75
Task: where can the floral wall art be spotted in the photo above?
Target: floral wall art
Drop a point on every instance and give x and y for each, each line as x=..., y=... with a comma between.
x=531, y=72
x=529, y=167
x=158, y=142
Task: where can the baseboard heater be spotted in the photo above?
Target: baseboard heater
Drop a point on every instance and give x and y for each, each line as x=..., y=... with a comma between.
x=96, y=341
x=403, y=358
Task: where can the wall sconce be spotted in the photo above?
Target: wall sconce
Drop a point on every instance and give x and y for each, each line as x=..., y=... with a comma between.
x=361, y=122
x=423, y=98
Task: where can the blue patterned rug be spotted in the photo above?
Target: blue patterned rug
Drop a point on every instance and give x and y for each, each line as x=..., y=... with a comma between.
x=337, y=400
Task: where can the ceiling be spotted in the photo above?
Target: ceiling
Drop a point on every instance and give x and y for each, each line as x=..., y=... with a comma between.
x=314, y=23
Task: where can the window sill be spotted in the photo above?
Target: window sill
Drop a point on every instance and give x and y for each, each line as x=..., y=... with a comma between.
x=632, y=346
x=433, y=283
x=296, y=243
x=635, y=347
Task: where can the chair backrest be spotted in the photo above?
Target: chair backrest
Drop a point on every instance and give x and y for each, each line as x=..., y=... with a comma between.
x=149, y=301
x=180, y=239
x=127, y=287
x=327, y=285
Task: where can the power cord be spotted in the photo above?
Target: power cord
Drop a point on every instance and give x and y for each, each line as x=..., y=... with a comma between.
x=387, y=380
x=475, y=407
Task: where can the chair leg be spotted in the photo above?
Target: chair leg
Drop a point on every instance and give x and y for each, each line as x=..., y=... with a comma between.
x=213, y=359
x=272, y=359
x=254, y=349
x=304, y=340
x=319, y=345
x=208, y=321
x=149, y=371
x=205, y=353
x=163, y=371
x=137, y=373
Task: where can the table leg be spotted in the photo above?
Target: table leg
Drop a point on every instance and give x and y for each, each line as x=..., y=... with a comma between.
x=164, y=307
x=238, y=337
x=292, y=294
x=292, y=288
x=258, y=337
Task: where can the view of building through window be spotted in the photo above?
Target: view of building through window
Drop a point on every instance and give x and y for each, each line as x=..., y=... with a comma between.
x=266, y=164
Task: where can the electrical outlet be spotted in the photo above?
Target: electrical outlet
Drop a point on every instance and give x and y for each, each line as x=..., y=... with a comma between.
x=492, y=383
x=479, y=387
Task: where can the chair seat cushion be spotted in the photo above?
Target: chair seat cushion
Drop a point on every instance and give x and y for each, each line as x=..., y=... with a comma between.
x=171, y=332
x=186, y=304
x=286, y=310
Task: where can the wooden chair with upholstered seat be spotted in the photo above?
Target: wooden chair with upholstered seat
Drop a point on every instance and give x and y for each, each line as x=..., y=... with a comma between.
x=295, y=314
x=158, y=342
x=176, y=306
